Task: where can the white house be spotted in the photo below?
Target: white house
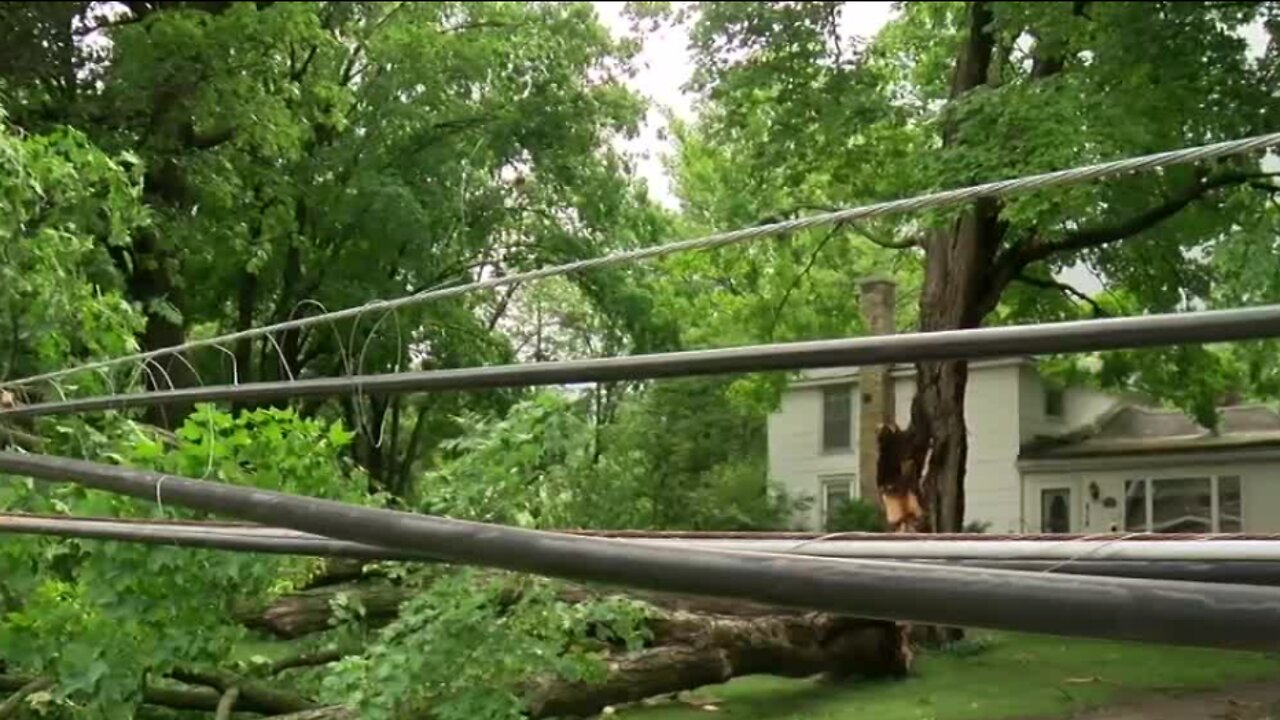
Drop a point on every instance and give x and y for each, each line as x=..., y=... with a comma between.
x=1045, y=459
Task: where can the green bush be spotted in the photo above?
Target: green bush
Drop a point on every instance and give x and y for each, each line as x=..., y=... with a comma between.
x=856, y=515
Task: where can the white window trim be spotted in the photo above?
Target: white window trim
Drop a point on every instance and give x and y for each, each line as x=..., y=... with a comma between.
x=1214, y=503
x=826, y=480
x=854, y=416
x=1071, y=501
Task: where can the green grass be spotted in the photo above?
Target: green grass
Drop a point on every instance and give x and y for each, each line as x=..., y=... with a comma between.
x=1017, y=676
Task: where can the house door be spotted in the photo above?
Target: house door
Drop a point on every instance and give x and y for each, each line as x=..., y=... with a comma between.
x=1055, y=510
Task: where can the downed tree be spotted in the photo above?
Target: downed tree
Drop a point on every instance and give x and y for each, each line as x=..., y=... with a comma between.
x=693, y=642
x=687, y=650
x=691, y=650
x=311, y=610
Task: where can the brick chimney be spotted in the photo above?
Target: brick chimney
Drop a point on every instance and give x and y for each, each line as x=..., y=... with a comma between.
x=876, y=407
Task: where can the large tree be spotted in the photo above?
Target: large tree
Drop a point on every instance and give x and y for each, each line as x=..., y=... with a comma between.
x=952, y=94
x=304, y=156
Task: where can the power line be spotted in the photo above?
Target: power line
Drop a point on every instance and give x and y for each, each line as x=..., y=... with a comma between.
x=1038, y=339
x=1173, y=565
x=921, y=202
x=212, y=536
x=1210, y=550
x=1228, y=616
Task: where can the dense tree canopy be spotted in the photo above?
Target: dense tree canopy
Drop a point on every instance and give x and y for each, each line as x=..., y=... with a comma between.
x=952, y=94
x=178, y=170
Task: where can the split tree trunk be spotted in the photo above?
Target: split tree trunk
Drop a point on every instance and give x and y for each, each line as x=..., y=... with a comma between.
x=956, y=295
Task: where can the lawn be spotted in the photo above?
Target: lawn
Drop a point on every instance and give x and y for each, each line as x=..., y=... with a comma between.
x=1014, y=676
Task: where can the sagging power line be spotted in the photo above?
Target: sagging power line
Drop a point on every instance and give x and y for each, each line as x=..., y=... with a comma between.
x=1037, y=339
x=1181, y=559
x=1210, y=615
x=922, y=202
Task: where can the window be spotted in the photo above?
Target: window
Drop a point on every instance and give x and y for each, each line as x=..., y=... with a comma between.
x=1183, y=505
x=1055, y=510
x=837, y=418
x=836, y=491
x=1054, y=402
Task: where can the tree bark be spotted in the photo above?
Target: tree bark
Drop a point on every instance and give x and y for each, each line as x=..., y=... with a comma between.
x=696, y=650
x=955, y=296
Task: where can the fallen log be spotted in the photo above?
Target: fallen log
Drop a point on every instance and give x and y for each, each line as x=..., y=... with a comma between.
x=694, y=642
x=310, y=611
x=691, y=651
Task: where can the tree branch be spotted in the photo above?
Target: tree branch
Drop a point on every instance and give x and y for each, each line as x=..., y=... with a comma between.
x=857, y=227
x=334, y=712
x=349, y=67
x=21, y=439
x=479, y=25
x=255, y=695
x=1098, y=310
x=1014, y=260
x=172, y=697
x=314, y=659
x=795, y=281
x=226, y=704
x=12, y=706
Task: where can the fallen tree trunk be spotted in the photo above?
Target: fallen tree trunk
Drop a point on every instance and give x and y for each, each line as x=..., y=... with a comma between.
x=692, y=650
x=310, y=611
x=694, y=642
x=687, y=650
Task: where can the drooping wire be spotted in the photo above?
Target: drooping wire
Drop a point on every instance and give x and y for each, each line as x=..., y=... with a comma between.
x=921, y=202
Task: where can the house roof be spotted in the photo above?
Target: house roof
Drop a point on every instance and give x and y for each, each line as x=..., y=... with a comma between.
x=1135, y=430
x=820, y=376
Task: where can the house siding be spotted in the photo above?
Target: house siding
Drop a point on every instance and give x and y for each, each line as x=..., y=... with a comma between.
x=1259, y=491
x=993, y=487
x=796, y=459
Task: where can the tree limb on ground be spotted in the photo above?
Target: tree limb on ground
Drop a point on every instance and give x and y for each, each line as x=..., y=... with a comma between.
x=226, y=704
x=255, y=695
x=176, y=698
x=12, y=706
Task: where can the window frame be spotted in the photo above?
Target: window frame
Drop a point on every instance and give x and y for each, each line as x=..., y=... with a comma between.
x=851, y=440
x=1070, y=496
x=1056, y=398
x=1215, y=499
x=850, y=482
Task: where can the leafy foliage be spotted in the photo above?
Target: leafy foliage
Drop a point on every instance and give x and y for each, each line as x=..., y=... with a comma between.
x=471, y=645
x=179, y=170
x=545, y=465
x=855, y=515
x=62, y=200
x=99, y=616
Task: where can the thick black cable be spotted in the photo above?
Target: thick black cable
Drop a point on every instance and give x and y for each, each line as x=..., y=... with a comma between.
x=279, y=541
x=1228, y=616
x=1041, y=339
x=238, y=538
